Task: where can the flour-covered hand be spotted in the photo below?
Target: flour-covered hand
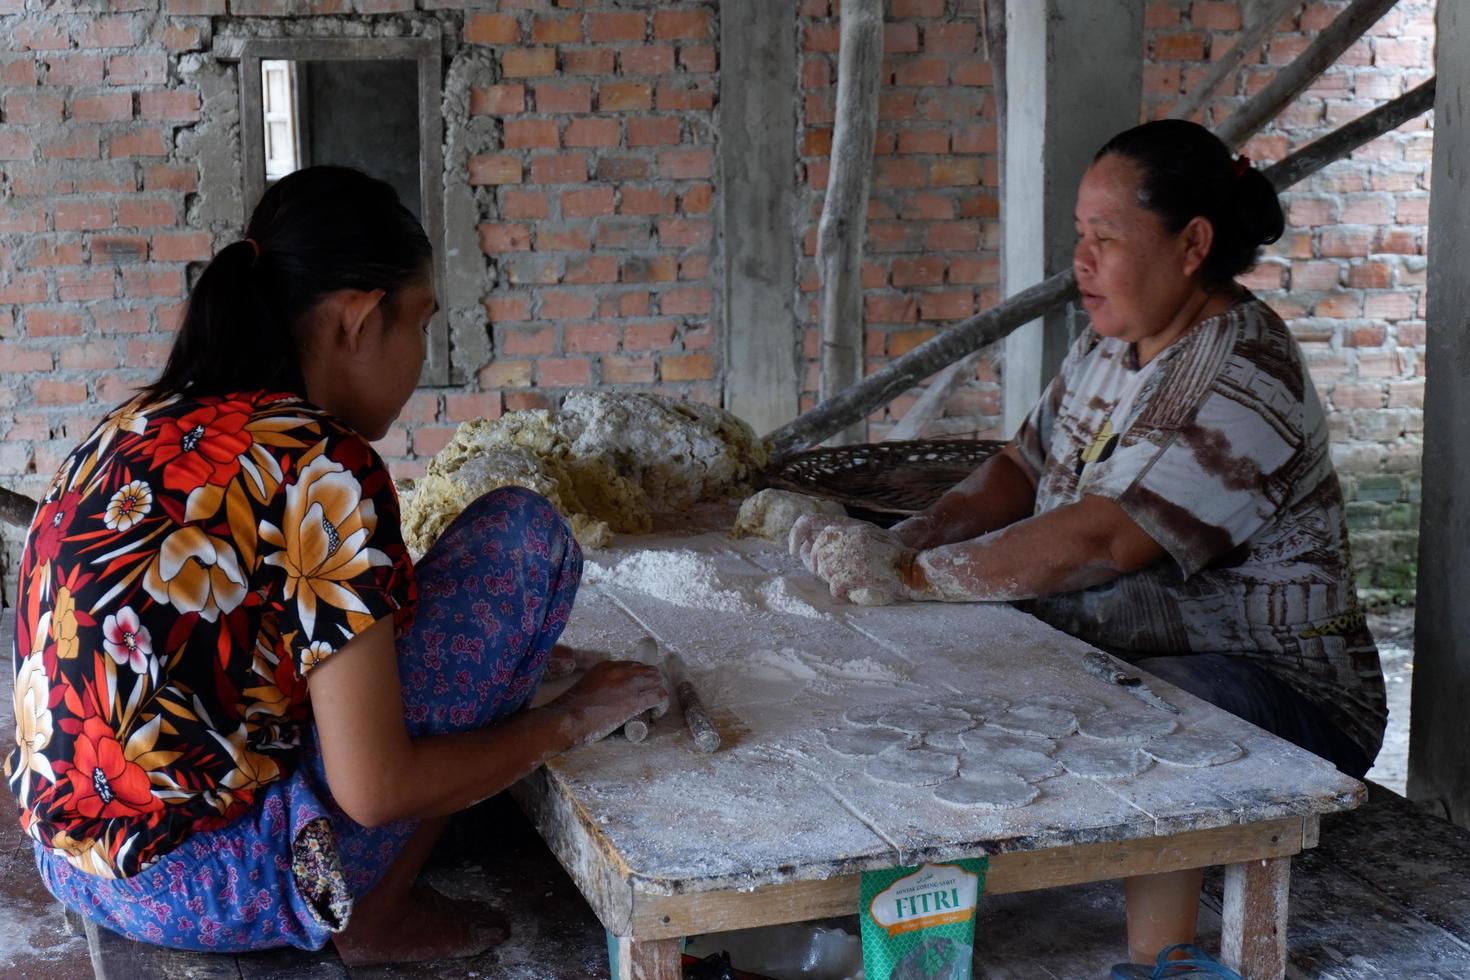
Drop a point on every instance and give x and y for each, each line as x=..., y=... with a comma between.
x=863, y=564
x=806, y=529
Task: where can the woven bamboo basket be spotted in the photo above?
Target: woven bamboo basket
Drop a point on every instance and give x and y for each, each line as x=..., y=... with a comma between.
x=883, y=482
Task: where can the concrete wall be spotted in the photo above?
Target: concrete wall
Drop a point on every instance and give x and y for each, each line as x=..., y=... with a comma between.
x=580, y=186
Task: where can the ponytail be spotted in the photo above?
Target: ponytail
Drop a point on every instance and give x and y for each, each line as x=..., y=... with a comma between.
x=315, y=231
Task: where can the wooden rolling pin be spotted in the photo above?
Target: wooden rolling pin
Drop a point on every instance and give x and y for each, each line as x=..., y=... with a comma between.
x=636, y=729
x=701, y=729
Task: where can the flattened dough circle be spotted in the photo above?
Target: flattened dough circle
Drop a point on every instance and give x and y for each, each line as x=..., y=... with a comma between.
x=868, y=714
x=914, y=767
x=987, y=791
x=922, y=719
x=1193, y=749
x=1024, y=763
x=1102, y=760
x=1033, y=719
x=1131, y=727
x=988, y=738
x=866, y=741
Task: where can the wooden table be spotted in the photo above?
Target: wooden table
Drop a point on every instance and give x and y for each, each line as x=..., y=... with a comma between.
x=774, y=827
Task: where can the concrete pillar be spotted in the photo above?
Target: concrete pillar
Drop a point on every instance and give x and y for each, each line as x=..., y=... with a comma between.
x=1439, y=735
x=757, y=188
x=1074, y=78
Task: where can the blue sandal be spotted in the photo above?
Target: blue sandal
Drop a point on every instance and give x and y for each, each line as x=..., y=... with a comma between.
x=1199, y=965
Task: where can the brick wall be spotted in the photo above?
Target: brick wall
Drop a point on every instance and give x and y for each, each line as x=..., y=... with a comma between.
x=586, y=138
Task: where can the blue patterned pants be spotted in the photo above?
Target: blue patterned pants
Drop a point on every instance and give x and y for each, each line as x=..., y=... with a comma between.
x=494, y=595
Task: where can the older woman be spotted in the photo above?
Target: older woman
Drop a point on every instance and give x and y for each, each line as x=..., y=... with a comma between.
x=1171, y=497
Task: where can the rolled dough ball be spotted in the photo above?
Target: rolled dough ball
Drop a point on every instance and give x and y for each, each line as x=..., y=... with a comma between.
x=914, y=767
x=866, y=741
x=1193, y=749
x=987, y=791
x=1122, y=726
x=1102, y=760
x=1033, y=719
x=770, y=514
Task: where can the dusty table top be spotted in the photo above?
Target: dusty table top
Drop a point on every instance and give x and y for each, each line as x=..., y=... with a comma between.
x=779, y=662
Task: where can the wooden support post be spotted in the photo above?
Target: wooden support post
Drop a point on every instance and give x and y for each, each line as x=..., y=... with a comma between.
x=1253, y=921
x=16, y=508
x=1441, y=728
x=1249, y=42
x=649, y=959
x=844, y=223
x=1294, y=79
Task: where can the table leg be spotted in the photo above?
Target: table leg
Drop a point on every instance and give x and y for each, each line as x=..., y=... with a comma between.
x=1253, y=930
x=648, y=959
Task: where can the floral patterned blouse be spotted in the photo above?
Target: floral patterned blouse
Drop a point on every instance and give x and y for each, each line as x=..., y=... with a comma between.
x=190, y=563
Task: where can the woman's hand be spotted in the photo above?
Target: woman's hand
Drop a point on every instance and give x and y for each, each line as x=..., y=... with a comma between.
x=612, y=692
x=865, y=565
x=806, y=529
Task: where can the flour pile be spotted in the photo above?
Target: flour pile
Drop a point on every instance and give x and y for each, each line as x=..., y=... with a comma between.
x=600, y=462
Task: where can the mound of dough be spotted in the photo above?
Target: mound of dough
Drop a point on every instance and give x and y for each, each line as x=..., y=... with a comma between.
x=679, y=452
x=599, y=462
x=770, y=513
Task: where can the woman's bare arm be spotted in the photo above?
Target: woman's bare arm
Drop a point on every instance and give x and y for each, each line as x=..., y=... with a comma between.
x=378, y=774
x=1001, y=491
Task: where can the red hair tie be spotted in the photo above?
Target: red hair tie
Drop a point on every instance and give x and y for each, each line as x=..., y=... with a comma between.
x=255, y=246
x=1242, y=164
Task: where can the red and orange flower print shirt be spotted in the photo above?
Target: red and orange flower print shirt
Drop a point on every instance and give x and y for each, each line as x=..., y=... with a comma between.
x=191, y=562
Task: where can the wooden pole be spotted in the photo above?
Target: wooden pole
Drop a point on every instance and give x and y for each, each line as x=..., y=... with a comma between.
x=1295, y=78
x=969, y=335
x=16, y=508
x=844, y=223
x=1249, y=41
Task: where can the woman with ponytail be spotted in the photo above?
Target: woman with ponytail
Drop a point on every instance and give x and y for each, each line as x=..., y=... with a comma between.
x=1171, y=498
x=243, y=715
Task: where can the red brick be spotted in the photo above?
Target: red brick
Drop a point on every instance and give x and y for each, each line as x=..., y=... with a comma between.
x=690, y=301
x=926, y=271
x=51, y=253
x=50, y=323
x=816, y=72
x=1179, y=47
x=590, y=203
x=145, y=213
x=530, y=134
x=16, y=145
x=563, y=372
x=697, y=200
x=107, y=32
x=658, y=268
x=955, y=172
x=59, y=392
x=18, y=71
x=181, y=37
x=1346, y=242
x=429, y=439
x=22, y=361
x=80, y=143
x=656, y=335
x=923, y=141
x=681, y=24
x=686, y=164
x=1389, y=306
x=923, y=71
x=176, y=105
x=491, y=29
x=137, y=69
x=900, y=342
x=497, y=238
x=528, y=62
x=138, y=143
x=890, y=308
x=94, y=356
x=687, y=367
x=647, y=201
x=973, y=73
x=559, y=168
x=646, y=59
x=72, y=216
x=956, y=37
x=38, y=35
x=627, y=370
x=690, y=95
x=504, y=307
x=118, y=248
x=573, y=97
x=525, y=341
x=591, y=269
x=33, y=108
x=1370, y=275
x=609, y=28
x=505, y=374
x=494, y=169
x=684, y=232
x=463, y=406
x=617, y=168
x=948, y=305
x=567, y=305
x=918, y=8
x=498, y=100
x=74, y=69
x=588, y=61
x=524, y=401
x=654, y=131
x=699, y=57
x=593, y=132
x=150, y=282
x=1371, y=335
x=624, y=96
x=556, y=30
x=520, y=204
x=927, y=207
x=101, y=107
x=592, y=338
x=821, y=37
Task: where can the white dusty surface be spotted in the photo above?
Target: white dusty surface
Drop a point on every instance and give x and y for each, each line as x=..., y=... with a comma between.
x=777, y=802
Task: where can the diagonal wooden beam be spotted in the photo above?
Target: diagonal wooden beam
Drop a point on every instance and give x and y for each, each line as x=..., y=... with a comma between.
x=1295, y=78
x=1249, y=42
x=1337, y=144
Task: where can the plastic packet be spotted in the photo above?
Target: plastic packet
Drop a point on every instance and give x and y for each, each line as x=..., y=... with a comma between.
x=919, y=923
